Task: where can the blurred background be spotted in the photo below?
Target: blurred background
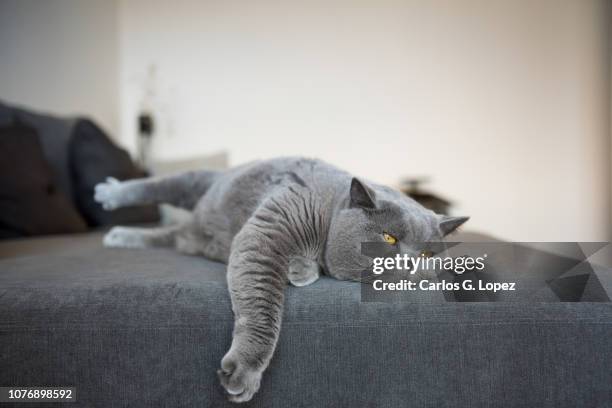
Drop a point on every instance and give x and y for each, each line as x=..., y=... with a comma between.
x=501, y=106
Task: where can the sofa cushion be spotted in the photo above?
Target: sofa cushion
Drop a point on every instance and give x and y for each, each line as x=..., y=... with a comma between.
x=30, y=201
x=93, y=158
x=133, y=328
x=54, y=136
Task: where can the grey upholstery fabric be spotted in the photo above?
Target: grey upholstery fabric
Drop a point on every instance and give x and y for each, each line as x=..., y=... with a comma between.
x=144, y=328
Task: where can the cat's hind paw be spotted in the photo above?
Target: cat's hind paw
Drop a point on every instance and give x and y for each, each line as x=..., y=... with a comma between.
x=108, y=193
x=123, y=237
x=239, y=381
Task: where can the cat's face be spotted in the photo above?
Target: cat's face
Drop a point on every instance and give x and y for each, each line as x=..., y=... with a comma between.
x=384, y=215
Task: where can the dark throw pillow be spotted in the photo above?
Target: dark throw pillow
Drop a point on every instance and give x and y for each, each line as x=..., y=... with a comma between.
x=30, y=201
x=93, y=158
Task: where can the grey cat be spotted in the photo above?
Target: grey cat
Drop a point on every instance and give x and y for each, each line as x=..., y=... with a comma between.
x=273, y=222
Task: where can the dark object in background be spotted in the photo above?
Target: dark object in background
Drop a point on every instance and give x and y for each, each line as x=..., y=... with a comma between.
x=146, y=127
x=54, y=137
x=93, y=158
x=31, y=203
x=411, y=187
x=79, y=155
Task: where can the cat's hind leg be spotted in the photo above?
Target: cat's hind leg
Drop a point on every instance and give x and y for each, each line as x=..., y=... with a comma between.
x=133, y=237
x=181, y=190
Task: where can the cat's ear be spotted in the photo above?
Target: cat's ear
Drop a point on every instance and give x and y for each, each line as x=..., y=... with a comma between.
x=449, y=224
x=361, y=195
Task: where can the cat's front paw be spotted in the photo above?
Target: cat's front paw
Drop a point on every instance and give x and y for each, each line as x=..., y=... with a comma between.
x=108, y=193
x=303, y=271
x=239, y=380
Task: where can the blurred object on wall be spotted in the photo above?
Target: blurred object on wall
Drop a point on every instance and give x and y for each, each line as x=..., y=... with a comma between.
x=146, y=120
x=411, y=187
x=146, y=127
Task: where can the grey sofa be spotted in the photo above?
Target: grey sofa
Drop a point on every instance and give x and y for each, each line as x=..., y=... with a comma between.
x=147, y=328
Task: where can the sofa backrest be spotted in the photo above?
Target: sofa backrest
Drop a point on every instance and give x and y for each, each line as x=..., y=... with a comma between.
x=54, y=135
x=80, y=155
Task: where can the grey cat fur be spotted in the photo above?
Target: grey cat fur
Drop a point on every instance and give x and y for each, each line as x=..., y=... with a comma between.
x=273, y=222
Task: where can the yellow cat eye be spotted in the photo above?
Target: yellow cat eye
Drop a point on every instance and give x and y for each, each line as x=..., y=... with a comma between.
x=426, y=254
x=389, y=238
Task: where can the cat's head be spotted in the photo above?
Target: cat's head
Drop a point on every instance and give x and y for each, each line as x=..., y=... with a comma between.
x=379, y=215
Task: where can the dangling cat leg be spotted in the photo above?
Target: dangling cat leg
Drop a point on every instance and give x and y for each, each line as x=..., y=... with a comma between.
x=285, y=230
x=256, y=280
x=132, y=237
x=181, y=190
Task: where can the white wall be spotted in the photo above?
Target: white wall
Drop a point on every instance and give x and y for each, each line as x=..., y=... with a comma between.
x=504, y=104
x=60, y=56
